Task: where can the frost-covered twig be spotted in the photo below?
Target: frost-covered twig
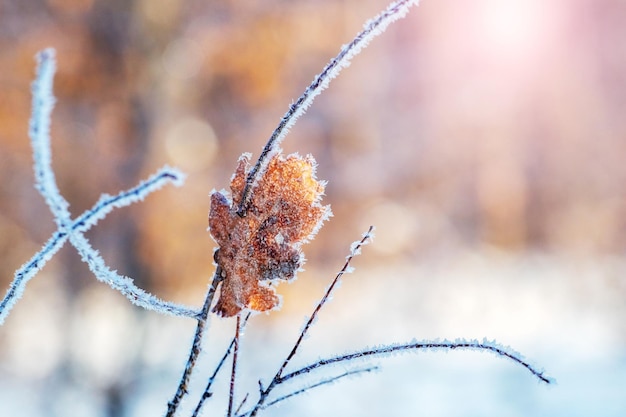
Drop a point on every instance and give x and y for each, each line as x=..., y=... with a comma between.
x=459, y=344
x=28, y=271
x=106, y=203
x=278, y=378
x=196, y=346
x=39, y=132
x=318, y=384
x=207, y=390
x=73, y=230
x=233, y=374
x=354, y=251
x=124, y=284
x=371, y=29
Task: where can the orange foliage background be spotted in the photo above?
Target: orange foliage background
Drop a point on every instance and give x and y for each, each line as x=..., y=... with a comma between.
x=485, y=131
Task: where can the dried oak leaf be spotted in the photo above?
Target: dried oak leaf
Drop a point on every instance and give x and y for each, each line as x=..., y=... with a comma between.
x=283, y=212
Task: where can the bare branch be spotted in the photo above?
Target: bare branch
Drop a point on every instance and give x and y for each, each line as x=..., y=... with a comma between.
x=354, y=250
x=459, y=344
x=207, y=391
x=233, y=373
x=45, y=182
x=196, y=346
x=371, y=29
x=318, y=384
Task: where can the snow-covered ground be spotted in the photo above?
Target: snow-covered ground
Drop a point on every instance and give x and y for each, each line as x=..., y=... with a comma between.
x=564, y=313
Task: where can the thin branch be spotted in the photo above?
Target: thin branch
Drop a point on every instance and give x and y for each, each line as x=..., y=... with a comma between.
x=371, y=29
x=196, y=346
x=106, y=203
x=243, y=402
x=74, y=231
x=124, y=284
x=45, y=182
x=39, y=132
x=92, y=258
x=460, y=344
x=318, y=384
x=27, y=271
x=207, y=391
x=354, y=250
x=233, y=373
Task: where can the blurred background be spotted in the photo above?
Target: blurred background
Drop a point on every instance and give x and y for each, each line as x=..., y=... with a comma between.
x=484, y=139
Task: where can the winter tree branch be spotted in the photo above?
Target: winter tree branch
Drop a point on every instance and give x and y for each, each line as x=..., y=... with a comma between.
x=73, y=230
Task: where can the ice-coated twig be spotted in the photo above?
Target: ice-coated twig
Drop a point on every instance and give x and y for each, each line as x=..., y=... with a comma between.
x=207, y=390
x=459, y=344
x=106, y=203
x=233, y=373
x=355, y=249
x=95, y=262
x=371, y=29
x=318, y=384
x=196, y=346
x=74, y=232
x=39, y=132
x=45, y=183
x=28, y=271
x=124, y=284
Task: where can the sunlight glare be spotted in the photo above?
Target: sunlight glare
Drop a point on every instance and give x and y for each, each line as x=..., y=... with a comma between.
x=516, y=28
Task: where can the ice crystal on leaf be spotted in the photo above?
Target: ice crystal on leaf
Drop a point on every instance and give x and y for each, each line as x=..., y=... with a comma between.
x=263, y=246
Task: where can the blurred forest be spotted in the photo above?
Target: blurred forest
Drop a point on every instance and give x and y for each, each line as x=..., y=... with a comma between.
x=484, y=132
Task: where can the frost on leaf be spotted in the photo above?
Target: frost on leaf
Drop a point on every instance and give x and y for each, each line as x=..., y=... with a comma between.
x=255, y=250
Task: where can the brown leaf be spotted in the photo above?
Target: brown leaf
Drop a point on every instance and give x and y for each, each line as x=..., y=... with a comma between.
x=284, y=212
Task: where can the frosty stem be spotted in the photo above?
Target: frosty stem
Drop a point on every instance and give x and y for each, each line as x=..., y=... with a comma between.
x=207, y=390
x=320, y=383
x=73, y=230
x=233, y=373
x=278, y=378
x=196, y=346
x=459, y=344
x=371, y=29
